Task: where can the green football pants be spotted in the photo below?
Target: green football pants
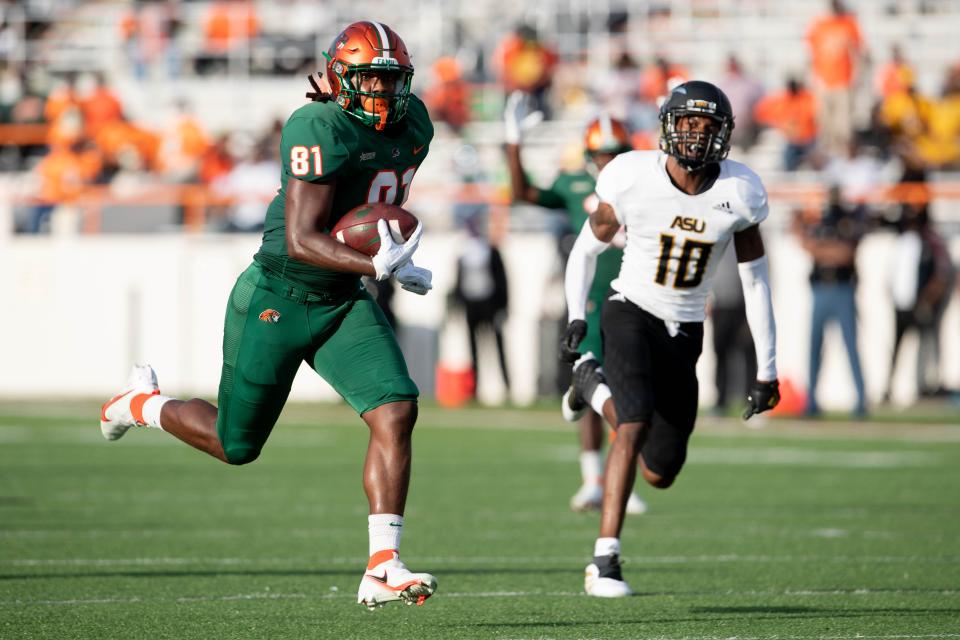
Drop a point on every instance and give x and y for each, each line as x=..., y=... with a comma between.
x=272, y=326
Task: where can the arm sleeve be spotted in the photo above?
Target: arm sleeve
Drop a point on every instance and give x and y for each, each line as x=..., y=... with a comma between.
x=312, y=151
x=759, y=305
x=581, y=266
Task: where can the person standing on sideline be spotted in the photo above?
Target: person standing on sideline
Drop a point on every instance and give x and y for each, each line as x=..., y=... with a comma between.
x=604, y=139
x=481, y=287
x=301, y=298
x=681, y=206
x=832, y=244
x=921, y=280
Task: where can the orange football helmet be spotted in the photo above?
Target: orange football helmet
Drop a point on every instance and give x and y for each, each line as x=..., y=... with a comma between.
x=369, y=47
x=606, y=135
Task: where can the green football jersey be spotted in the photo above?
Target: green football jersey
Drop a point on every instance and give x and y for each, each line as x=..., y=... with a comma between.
x=320, y=143
x=575, y=193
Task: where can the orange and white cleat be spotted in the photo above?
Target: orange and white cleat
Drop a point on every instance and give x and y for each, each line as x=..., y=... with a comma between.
x=387, y=579
x=125, y=409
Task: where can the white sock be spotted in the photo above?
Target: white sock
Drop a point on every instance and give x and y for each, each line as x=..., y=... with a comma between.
x=385, y=531
x=600, y=395
x=151, y=410
x=606, y=547
x=591, y=467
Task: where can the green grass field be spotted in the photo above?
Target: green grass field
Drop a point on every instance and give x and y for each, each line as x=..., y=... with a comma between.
x=821, y=530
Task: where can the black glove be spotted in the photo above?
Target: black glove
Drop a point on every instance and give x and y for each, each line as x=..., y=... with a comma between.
x=572, y=338
x=761, y=397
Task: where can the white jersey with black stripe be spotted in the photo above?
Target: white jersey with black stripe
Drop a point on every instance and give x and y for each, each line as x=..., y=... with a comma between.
x=675, y=240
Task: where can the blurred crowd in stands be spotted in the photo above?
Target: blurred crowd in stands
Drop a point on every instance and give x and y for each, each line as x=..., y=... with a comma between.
x=74, y=134
x=81, y=123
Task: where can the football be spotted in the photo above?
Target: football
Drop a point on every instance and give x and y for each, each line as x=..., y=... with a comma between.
x=358, y=227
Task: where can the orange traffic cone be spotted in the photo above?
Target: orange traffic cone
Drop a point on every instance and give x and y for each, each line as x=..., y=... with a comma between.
x=792, y=400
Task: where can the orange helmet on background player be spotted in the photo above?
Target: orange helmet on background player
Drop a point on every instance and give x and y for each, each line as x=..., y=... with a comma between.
x=370, y=47
x=605, y=136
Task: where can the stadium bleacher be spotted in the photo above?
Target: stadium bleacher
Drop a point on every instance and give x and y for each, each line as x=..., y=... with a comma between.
x=158, y=56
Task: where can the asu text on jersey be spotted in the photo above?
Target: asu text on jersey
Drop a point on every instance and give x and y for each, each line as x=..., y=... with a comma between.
x=675, y=240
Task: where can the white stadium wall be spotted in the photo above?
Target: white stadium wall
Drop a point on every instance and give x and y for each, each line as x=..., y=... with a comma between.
x=82, y=308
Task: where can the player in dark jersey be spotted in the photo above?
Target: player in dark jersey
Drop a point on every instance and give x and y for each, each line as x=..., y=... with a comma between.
x=301, y=298
x=573, y=191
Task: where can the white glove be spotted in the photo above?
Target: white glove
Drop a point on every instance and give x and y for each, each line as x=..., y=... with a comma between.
x=393, y=255
x=414, y=278
x=517, y=117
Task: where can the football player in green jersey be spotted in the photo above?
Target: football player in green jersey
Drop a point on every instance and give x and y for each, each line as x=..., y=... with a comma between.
x=360, y=141
x=604, y=138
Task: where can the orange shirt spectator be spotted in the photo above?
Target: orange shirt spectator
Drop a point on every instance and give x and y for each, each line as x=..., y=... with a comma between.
x=64, y=173
x=658, y=79
x=193, y=140
x=59, y=101
x=228, y=23
x=216, y=161
x=99, y=108
x=524, y=63
x=793, y=112
x=128, y=25
x=835, y=44
x=115, y=137
x=896, y=76
x=67, y=128
x=448, y=98
x=184, y=146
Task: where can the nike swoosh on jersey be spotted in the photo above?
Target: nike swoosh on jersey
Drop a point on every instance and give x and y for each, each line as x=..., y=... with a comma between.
x=417, y=150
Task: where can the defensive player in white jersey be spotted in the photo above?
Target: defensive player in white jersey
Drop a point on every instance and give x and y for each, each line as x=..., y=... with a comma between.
x=681, y=207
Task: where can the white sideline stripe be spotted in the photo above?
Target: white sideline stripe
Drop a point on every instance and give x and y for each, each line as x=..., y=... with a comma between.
x=471, y=594
x=462, y=560
x=507, y=420
x=814, y=458
x=785, y=455
x=858, y=636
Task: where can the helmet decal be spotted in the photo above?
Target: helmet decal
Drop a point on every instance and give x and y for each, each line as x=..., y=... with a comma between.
x=381, y=35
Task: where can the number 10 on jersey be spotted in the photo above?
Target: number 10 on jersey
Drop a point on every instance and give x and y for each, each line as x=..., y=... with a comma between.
x=693, y=258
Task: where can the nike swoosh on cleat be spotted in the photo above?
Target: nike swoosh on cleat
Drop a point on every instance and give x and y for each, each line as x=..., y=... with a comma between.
x=109, y=403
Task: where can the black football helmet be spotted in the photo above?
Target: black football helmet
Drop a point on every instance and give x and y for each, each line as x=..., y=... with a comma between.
x=692, y=149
